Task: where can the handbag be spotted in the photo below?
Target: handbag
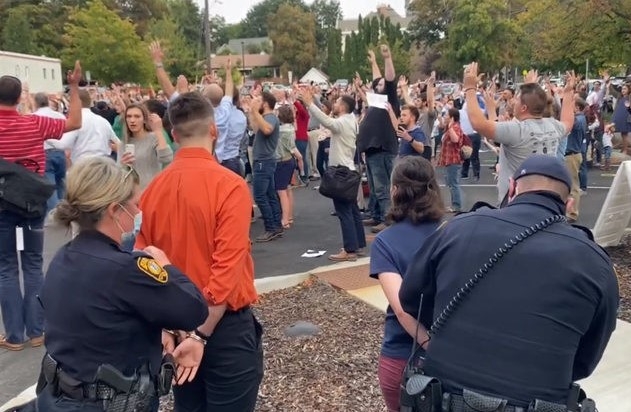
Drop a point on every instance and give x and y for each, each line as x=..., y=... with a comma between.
x=466, y=150
x=340, y=183
x=22, y=191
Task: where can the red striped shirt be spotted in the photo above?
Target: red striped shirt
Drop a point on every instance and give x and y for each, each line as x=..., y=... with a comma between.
x=22, y=137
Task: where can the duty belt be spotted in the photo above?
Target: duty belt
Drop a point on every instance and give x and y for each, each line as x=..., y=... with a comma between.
x=63, y=383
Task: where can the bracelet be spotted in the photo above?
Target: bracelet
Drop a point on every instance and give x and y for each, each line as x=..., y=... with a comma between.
x=170, y=332
x=193, y=335
x=159, y=65
x=425, y=341
x=469, y=88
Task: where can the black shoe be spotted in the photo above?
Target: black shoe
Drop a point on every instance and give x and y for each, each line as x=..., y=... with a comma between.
x=333, y=213
x=464, y=177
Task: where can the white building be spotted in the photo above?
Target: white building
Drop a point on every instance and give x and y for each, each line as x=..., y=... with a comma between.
x=43, y=74
x=348, y=26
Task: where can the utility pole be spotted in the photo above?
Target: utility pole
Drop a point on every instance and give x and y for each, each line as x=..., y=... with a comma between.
x=207, y=35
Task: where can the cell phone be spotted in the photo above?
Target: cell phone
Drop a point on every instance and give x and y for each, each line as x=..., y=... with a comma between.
x=131, y=149
x=402, y=128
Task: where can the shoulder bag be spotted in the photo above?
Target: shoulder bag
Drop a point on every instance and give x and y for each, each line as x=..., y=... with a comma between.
x=22, y=191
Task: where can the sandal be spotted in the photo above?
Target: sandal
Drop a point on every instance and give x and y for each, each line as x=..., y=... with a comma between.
x=10, y=346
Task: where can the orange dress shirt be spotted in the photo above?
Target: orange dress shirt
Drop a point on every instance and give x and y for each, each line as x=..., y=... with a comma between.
x=198, y=213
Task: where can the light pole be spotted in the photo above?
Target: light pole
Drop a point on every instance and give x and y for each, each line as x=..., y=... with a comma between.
x=243, y=58
x=207, y=35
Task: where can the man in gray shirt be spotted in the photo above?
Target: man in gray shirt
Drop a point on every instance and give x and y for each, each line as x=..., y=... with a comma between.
x=530, y=133
x=265, y=124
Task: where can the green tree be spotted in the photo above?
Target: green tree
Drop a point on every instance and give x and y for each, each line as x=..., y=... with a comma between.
x=188, y=18
x=107, y=45
x=256, y=23
x=180, y=59
x=292, y=31
x=17, y=33
x=479, y=31
x=327, y=13
x=218, y=32
x=334, y=66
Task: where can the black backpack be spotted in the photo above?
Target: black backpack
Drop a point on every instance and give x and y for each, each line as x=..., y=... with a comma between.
x=22, y=191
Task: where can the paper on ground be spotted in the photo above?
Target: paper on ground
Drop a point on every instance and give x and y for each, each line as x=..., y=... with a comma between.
x=313, y=253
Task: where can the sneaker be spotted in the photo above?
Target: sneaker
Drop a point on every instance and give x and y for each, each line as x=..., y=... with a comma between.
x=37, y=341
x=583, y=192
x=268, y=236
x=361, y=252
x=378, y=228
x=15, y=347
x=343, y=256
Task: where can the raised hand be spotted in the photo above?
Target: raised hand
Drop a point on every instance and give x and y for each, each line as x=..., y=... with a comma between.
x=74, y=76
x=385, y=51
x=157, y=54
x=570, y=82
x=371, y=56
x=532, y=77
x=470, y=79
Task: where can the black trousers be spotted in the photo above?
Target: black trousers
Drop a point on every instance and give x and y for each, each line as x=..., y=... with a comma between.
x=231, y=371
x=474, y=160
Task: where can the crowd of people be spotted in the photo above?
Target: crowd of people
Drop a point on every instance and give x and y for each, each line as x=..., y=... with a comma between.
x=156, y=193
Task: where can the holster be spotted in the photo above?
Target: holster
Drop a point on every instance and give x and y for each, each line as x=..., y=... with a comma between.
x=421, y=393
x=137, y=397
x=167, y=372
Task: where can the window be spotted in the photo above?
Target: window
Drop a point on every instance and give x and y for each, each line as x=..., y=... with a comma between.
x=17, y=71
x=52, y=74
x=44, y=72
x=26, y=72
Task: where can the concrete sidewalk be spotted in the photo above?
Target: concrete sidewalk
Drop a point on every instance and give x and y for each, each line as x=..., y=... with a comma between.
x=608, y=386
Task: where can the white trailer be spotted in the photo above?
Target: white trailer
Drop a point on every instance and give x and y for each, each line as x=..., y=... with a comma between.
x=43, y=74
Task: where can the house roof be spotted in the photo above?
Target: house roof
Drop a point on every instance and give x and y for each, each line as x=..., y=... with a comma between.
x=235, y=44
x=314, y=74
x=251, y=61
x=350, y=25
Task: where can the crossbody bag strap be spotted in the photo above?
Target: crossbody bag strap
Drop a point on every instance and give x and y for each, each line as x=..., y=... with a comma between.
x=484, y=270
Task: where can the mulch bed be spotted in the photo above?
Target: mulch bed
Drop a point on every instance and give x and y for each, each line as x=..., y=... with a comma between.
x=621, y=257
x=337, y=369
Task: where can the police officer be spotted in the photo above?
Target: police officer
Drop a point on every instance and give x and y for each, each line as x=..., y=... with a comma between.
x=105, y=309
x=521, y=304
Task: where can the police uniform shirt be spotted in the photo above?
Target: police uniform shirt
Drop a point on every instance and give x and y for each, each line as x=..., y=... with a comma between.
x=106, y=306
x=539, y=320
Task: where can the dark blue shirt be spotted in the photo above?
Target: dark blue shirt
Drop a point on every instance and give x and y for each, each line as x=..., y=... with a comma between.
x=540, y=319
x=103, y=305
x=578, y=136
x=405, y=147
x=391, y=252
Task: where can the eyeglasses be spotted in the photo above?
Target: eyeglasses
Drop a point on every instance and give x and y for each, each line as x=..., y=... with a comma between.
x=130, y=172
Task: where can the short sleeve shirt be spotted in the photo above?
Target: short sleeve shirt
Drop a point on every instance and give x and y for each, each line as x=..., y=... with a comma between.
x=405, y=147
x=521, y=139
x=264, y=147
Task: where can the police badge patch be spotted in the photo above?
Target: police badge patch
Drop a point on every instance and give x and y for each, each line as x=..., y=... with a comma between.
x=153, y=269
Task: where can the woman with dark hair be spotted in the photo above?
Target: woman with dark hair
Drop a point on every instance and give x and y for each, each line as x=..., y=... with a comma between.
x=416, y=210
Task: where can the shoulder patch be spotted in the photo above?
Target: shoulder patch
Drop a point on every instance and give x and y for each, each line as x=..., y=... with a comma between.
x=151, y=268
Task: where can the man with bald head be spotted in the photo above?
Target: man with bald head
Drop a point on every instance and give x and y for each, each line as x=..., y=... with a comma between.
x=544, y=297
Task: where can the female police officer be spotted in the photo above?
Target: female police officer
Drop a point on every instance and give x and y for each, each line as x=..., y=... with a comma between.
x=105, y=309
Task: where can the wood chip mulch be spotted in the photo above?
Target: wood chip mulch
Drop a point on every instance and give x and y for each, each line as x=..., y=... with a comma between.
x=337, y=369
x=621, y=257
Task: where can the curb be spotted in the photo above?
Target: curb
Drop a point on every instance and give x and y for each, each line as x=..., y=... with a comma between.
x=23, y=398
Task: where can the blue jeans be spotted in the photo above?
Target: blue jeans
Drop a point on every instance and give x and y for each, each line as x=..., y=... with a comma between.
x=265, y=194
x=452, y=179
x=379, y=167
x=56, y=173
x=302, y=145
x=353, y=235
x=21, y=313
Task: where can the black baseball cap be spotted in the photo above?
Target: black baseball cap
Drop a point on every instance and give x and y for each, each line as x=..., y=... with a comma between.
x=544, y=165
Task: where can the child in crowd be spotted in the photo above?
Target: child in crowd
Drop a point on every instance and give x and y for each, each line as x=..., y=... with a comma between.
x=610, y=129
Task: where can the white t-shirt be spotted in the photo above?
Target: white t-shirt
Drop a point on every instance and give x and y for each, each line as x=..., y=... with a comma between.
x=607, y=140
x=520, y=140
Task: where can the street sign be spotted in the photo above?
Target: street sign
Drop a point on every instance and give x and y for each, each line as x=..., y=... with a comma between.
x=616, y=212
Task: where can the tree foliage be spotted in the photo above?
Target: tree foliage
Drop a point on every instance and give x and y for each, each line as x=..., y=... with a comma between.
x=180, y=58
x=17, y=33
x=107, y=46
x=256, y=23
x=292, y=31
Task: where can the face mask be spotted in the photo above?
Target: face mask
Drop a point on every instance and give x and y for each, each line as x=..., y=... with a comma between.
x=137, y=223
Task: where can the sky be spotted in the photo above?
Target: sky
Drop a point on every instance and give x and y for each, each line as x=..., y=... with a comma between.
x=235, y=10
